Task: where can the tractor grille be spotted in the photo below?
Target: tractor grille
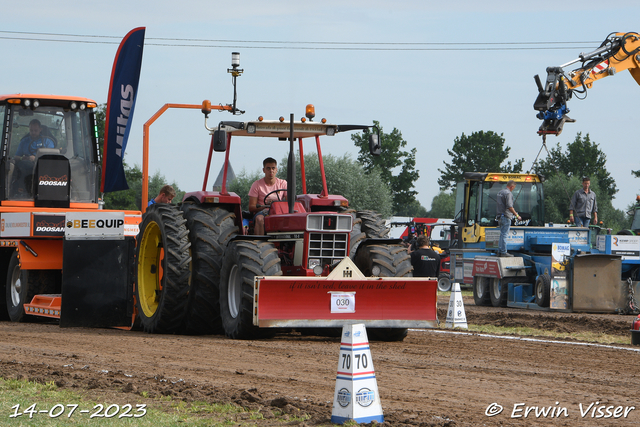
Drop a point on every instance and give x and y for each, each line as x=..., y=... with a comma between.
x=328, y=246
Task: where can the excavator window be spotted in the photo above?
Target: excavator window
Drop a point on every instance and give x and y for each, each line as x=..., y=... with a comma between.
x=460, y=215
x=472, y=214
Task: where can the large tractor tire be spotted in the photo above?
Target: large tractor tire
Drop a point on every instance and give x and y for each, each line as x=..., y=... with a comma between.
x=22, y=286
x=393, y=261
x=162, y=270
x=373, y=225
x=210, y=229
x=481, y=292
x=542, y=290
x=366, y=225
x=244, y=260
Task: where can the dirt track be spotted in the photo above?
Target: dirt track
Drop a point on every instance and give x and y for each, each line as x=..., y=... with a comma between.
x=431, y=378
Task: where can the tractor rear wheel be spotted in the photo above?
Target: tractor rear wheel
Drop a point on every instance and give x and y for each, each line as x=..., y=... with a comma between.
x=366, y=225
x=481, y=294
x=244, y=260
x=21, y=287
x=373, y=225
x=542, y=290
x=163, y=270
x=210, y=228
x=392, y=261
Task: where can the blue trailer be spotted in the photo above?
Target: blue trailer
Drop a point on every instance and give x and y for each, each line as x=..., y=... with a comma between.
x=572, y=269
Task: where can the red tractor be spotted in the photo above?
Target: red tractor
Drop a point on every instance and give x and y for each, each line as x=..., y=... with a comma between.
x=199, y=273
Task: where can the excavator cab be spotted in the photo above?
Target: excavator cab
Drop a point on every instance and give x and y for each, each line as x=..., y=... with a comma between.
x=49, y=151
x=476, y=202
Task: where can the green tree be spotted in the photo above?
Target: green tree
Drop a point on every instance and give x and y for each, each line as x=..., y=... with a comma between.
x=413, y=209
x=126, y=199
x=443, y=205
x=582, y=157
x=345, y=177
x=393, y=159
x=558, y=191
x=479, y=152
x=130, y=199
x=242, y=184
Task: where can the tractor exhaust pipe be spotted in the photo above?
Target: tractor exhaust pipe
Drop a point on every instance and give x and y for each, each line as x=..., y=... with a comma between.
x=291, y=169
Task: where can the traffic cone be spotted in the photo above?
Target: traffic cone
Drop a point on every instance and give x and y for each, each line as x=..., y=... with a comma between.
x=356, y=396
x=456, y=317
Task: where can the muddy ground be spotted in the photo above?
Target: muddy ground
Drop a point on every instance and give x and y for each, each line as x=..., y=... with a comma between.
x=432, y=378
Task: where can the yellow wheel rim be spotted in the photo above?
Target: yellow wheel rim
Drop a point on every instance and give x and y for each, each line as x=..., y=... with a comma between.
x=150, y=259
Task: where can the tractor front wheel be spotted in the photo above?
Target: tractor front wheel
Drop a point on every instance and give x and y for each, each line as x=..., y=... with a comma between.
x=163, y=270
x=244, y=260
x=21, y=287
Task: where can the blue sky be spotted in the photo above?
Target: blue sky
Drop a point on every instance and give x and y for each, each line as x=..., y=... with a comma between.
x=471, y=77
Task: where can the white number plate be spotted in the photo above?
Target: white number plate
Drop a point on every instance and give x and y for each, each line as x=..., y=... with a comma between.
x=343, y=302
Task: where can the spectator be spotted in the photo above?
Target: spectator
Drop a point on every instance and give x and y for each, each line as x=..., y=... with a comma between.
x=166, y=195
x=583, y=204
x=425, y=261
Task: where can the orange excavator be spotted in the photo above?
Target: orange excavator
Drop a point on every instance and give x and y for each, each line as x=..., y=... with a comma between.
x=618, y=52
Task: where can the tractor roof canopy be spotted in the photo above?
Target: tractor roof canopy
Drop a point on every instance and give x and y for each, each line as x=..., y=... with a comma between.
x=278, y=129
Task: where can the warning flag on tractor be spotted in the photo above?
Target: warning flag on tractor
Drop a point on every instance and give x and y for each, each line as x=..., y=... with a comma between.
x=121, y=100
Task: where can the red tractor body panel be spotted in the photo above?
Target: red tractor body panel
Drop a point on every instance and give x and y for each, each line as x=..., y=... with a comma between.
x=306, y=302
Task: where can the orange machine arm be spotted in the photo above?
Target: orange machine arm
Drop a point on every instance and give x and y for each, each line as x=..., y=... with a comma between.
x=145, y=143
x=619, y=51
x=625, y=57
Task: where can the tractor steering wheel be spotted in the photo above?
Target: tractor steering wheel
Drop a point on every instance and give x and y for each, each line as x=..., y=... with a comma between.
x=264, y=201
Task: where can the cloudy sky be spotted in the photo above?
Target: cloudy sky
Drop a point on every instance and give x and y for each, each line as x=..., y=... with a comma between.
x=431, y=69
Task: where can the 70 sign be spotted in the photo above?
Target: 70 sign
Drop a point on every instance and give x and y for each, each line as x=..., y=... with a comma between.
x=360, y=359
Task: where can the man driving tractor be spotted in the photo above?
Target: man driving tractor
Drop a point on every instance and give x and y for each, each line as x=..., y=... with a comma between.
x=263, y=192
